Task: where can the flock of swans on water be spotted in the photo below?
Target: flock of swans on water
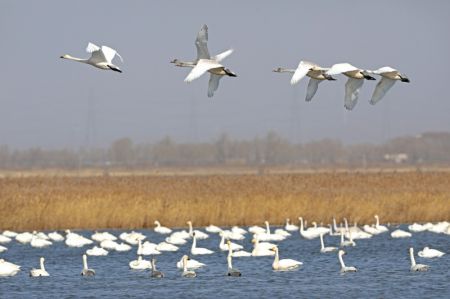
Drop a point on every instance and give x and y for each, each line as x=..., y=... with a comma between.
x=101, y=57
x=262, y=246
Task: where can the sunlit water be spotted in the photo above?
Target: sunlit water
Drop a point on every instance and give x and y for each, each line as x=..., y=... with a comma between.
x=383, y=265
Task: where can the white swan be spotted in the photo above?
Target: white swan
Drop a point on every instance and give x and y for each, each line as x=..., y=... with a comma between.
x=109, y=245
x=316, y=73
x=3, y=248
x=198, y=250
x=268, y=236
x=4, y=239
x=224, y=247
x=37, y=242
x=380, y=228
x=24, y=237
x=97, y=251
x=356, y=79
x=76, y=240
x=282, y=232
x=238, y=252
x=132, y=238
x=186, y=272
x=262, y=249
x=344, y=268
x=56, y=237
x=123, y=247
x=9, y=233
x=389, y=77
x=175, y=240
x=101, y=57
x=238, y=230
x=232, y=271
x=164, y=246
x=398, y=233
x=161, y=229
x=8, y=269
x=190, y=264
x=147, y=248
x=256, y=230
x=284, y=264
x=416, y=227
x=213, y=229
x=430, y=253
x=140, y=264
x=199, y=234
x=100, y=237
x=307, y=234
x=337, y=229
x=347, y=242
x=290, y=227
x=41, y=271
x=414, y=266
x=233, y=235
x=355, y=231
x=324, y=249
x=86, y=271
x=206, y=63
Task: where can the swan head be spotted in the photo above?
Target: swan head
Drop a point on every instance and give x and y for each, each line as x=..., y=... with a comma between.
x=228, y=242
x=229, y=72
x=342, y=252
x=277, y=70
x=65, y=56
x=189, y=222
x=404, y=79
x=156, y=222
x=275, y=248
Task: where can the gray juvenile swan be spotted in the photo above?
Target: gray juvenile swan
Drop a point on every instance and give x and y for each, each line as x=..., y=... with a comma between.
x=155, y=273
x=86, y=271
x=414, y=266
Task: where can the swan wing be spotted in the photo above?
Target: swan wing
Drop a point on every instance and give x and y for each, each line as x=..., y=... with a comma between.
x=286, y=263
x=213, y=84
x=352, y=88
x=109, y=54
x=312, y=89
x=385, y=69
x=340, y=68
x=223, y=55
x=202, y=67
x=92, y=47
x=301, y=71
x=201, y=43
x=380, y=90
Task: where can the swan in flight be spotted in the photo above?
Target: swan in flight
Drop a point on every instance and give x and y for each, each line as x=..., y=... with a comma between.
x=8, y=269
x=155, y=273
x=41, y=271
x=355, y=80
x=101, y=57
x=161, y=229
x=389, y=77
x=190, y=264
x=284, y=264
x=324, y=249
x=414, y=266
x=86, y=271
x=198, y=250
x=315, y=72
x=187, y=273
x=206, y=63
x=430, y=253
x=344, y=268
x=140, y=264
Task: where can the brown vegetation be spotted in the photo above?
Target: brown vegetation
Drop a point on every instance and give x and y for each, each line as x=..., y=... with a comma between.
x=46, y=202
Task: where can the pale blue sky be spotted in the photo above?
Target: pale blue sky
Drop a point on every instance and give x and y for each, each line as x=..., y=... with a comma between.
x=45, y=100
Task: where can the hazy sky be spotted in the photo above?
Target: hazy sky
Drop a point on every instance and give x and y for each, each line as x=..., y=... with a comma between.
x=49, y=102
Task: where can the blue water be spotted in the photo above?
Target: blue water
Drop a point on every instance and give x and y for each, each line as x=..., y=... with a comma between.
x=383, y=265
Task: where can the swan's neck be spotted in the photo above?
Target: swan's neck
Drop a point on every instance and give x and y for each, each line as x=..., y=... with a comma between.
x=331, y=229
x=284, y=70
x=301, y=225
x=277, y=257
x=346, y=224
x=158, y=224
x=267, y=228
x=194, y=243
x=341, y=260
x=230, y=265
x=287, y=222
x=85, y=265
x=334, y=224
x=321, y=242
x=222, y=241
x=42, y=265
x=342, y=237
x=377, y=224
x=350, y=235
x=184, y=264
x=411, y=256
x=139, y=245
x=153, y=265
x=190, y=228
x=75, y=59
x=178, y=62
x=140, y=258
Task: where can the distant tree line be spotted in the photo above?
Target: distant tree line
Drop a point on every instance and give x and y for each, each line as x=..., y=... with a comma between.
x=431, y=148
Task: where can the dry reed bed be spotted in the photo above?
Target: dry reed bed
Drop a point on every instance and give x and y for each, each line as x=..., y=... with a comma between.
x=136, y=201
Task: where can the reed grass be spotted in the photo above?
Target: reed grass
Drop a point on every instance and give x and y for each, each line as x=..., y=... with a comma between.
x=94, y=202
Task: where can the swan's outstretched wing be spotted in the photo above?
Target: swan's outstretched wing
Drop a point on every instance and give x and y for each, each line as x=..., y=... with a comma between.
x=385, y=69
x=110, y=53
x=213, y=84
x=380, y=90
x=223, y=55
x=92, y=48
x=312, y=89
x=300, y=72
x=340, y=68
x=202, y=67
x=352, y=88
x=97, y=55
x=202, y=43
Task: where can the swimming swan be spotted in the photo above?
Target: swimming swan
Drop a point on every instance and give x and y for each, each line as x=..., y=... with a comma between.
x=8, y=269
x=198, y=250
x=232, y=271
x=344, y=268
x=41, y=271
x=140, y=264
x=155, y=273
x=101, y=57
x=224, y=247
x=290, y=227
x=389, y=77
x=86, y=271
x=190, y=264
x=414, y=266
x=161, y=229
x=430, y=253
x=187, y=273
x=97, y=251
x=284, y=264
x=324, y=249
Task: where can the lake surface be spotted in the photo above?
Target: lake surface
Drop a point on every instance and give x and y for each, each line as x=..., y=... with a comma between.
x=383, y=265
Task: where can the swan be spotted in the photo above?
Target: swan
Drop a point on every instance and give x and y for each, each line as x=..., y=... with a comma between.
x=86, y=271
x=76, y=240
x=101, y=57
x=316, y=73
x=9, y=233
x=380, y=228
x=290, y=227
x=4, y=239
x=8, y=269
x=324, y=249
x=41, y=235
x=155, y=273
x=319, y=229
x=56, y=237
x=132, y=238
x=224, y=247
x=332, y=233
x=109, y=245
x=262, y=249
x=41, y=271
x=344, y=268
x=355, y=231
x=233, y=235
x=175, y=240
x=238, y=253
x=268, y=236
x=439, y=228
x=24, y=238
x=198, y=250
x=430, y=253
x=104, y=236
x=398, y=233
x=416, y=227
x=282, y=232
x=238, y=230
x=123, y=247
x=200, y=235
x=97, y=251
x=256, y=230
x=389, y=77
x=307, y=234
x=147, y=248
x=190, y=264
x=140, y=264
x=337, y=229
x=213, y=229
x=37, y=242
x=3, y=248
x=347, y=242
x=181, y=235
x=163, y=246
x=356, y=79
x=232, y=271
x=161, y=229
x=187, y=273
x=284, y=264
x=414, y=266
